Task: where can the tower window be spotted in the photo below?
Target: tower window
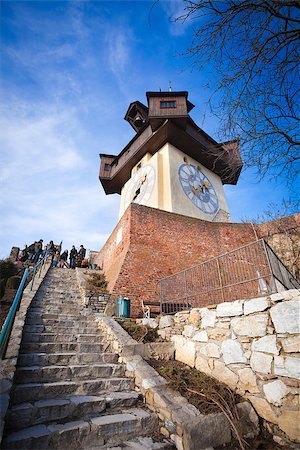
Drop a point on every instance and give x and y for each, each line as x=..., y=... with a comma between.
x=169, y=104
x=106, y=167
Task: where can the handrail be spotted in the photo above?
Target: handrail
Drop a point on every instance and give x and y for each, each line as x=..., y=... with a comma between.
x=9, y=321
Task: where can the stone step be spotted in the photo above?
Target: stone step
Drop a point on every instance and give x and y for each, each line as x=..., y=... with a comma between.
x=102, y=430
x=42, y=359
x=82, y=320
x=61, y=328
x=40, y=374
x=139, y=443
x=61, y=337
x=25, y=415
x=62, y=347
x=31, y=392
x=51, y=309
x=55, y=316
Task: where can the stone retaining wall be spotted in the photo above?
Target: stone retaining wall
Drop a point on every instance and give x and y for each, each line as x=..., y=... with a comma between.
x=8, y=365
x=180, y=421
x=251, y=345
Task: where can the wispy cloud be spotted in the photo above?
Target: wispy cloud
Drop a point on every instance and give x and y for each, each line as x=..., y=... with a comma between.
x=33, y=145
x=47, y=189
x=176, y=11
x=118, y=50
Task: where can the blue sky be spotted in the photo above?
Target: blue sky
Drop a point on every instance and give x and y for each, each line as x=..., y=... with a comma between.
x=69, y=70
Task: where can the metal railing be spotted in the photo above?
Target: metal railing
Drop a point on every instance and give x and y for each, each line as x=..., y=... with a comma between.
x=9, y=321
x=249, y=271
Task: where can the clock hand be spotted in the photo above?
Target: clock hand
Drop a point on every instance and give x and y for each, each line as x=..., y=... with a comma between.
x=138, y=190
x=201, y=188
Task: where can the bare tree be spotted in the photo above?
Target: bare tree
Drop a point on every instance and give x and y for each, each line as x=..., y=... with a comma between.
x=279, y=225
x=254, y=48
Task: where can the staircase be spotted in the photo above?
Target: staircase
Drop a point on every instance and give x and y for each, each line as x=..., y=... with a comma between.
x=69, y=391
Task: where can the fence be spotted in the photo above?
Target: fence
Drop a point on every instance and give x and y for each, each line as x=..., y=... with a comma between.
x=246, y=272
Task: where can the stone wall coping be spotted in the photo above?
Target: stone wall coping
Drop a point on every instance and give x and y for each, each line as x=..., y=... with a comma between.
x=8, y=365
x=174, y=411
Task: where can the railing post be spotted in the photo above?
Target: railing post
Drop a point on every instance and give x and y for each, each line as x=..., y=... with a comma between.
x=185, y=288
x=160, y=296
x=273, y=286
x=33, y=276
x=220, y=279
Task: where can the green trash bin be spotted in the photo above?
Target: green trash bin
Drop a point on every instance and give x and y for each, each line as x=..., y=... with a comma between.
x=123, y=307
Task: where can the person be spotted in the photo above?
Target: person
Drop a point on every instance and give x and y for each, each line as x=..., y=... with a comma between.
x=73, y=254
x=24, y=254
x=63, y=260
x=51, y=247
x=37, y=250
x=30, y=251
x=55, y=259
x=81, y=253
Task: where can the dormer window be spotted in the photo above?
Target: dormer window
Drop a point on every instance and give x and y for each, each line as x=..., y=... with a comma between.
x=167, y=104
x=106, y=167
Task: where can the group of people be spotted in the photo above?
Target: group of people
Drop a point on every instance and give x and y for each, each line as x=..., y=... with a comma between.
x=32, y=253
x=76, y=258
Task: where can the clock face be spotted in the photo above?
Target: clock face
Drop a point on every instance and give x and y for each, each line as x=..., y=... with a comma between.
x=198, y=188
x=140, y=186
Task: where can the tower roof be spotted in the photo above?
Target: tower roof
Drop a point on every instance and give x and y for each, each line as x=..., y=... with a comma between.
x=166, y=119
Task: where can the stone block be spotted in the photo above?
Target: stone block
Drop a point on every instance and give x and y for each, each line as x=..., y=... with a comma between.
x=222, y=373
x=291, y=344
x=202, y=365
x=248, y=420
x=185, y=351
x=200, y=336
x=218, y=333
x=166, y=321
x=159, y=350
x=230, y=309
x=211, y=430
x=252, y=326
x=151, y=323
x=189, y=330
x=208, y=318
x=247, y=380
x=266, y=344
x=285, y=317
x=177, y=441
x=278, y=297
x=289, y=423
x=287, y=366
x=195, y=317
x=232, y=352
x=263, y=408
x=261, y=362
x=185, y=414
x=292, y=293
x=256, y=305
x=211, y=350
x=275, y=391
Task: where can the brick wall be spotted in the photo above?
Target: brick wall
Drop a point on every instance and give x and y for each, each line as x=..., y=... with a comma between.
x=157, y=243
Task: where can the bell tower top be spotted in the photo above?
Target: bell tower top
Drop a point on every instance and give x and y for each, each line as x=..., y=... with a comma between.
x=166, y=119
x=168, y=105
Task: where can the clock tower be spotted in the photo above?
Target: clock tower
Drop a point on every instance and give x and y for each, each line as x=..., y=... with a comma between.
x=171, y=164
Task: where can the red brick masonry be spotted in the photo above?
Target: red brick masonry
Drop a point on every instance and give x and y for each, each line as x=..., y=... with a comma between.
x=156, y=243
